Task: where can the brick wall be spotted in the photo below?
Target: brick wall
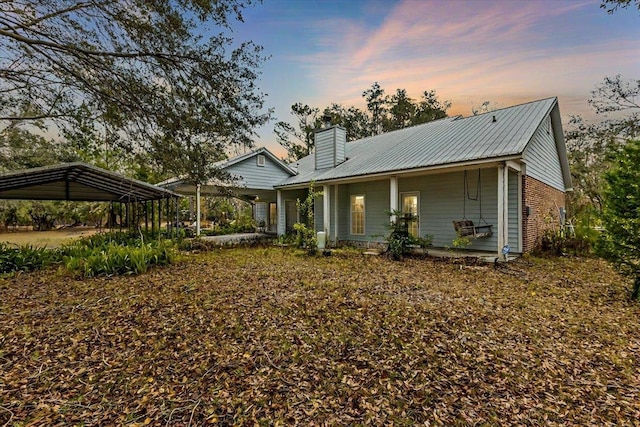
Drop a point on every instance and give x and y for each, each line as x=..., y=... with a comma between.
x=544, y=203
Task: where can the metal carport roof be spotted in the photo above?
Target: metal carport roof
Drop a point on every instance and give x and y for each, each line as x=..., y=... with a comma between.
x=77, y=182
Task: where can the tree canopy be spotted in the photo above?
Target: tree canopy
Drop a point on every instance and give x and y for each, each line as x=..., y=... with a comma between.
x=383, y=114
x=160, y=77
x=621, y=213
x=617, y=101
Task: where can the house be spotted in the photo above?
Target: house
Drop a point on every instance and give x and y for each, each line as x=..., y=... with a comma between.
x=507, y=168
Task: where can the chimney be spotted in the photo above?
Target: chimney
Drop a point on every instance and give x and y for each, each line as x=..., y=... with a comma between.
x=330, y=145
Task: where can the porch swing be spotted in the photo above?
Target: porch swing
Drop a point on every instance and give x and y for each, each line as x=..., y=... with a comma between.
x=465, y=227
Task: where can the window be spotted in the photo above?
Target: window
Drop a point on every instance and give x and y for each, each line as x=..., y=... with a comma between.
x=410, y=205
x=261, y=160
x=357, y=214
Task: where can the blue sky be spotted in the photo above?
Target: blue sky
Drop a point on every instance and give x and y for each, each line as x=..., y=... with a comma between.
x=506, y=52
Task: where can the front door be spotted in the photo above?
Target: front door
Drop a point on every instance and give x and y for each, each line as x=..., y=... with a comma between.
x=410, y=203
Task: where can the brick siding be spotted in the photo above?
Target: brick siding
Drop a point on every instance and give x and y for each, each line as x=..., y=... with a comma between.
x=544, y=204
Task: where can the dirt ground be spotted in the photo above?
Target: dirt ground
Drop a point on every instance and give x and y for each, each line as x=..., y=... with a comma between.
x=50, y=239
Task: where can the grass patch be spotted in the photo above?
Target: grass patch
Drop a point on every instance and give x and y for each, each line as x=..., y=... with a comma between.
x=244, y=336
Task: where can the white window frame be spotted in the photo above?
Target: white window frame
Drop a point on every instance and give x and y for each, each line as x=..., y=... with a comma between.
x=364, y=214
x=411, y=193
x=261, y=160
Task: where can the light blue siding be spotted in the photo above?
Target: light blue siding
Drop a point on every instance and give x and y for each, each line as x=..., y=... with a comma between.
x=376, y=205
x=443, y=200
x=250, y=175
x=543, y=161
x=330, y=147
x=289, y=196
x=318, y=210
x=260, y=212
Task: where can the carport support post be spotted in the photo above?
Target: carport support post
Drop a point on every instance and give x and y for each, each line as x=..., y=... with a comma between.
x=177, y=218
x=153, y=216
x=503, y=206
x=198, y=210
x=146, y=216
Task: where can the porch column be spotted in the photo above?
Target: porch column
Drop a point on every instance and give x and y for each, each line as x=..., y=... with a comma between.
x=282, y=220
x=326, y=210
x=503, y=208
x=393, y=196
x=335, y=213
x=198, y=210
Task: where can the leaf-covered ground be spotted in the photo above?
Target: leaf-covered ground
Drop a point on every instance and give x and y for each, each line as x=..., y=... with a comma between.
x=265, y=336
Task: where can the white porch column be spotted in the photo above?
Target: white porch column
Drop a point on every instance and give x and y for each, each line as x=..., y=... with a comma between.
x=503, y=208
x=198, y=210
x=326, y=210
x=282, y=220
x=335, y=213
x=393, y=196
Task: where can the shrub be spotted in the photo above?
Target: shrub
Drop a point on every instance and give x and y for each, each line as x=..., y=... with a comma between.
x=26, y=258
x=620, y=243
x=558, y=243
x=112, y=257
x=306, y=233
x=399, y=241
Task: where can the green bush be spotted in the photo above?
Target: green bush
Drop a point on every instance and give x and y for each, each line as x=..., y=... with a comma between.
x=115, y=254
x=558, y=243
x=400, y=242
x=26, y=258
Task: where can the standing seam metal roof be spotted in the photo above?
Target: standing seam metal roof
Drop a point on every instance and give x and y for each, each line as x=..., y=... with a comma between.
x=441, y=142
x=78, y=182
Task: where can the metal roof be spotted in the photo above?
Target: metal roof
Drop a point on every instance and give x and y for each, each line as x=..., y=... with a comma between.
x=447, y=141
x=77, y=182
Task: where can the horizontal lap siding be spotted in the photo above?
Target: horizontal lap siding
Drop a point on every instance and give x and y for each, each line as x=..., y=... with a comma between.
x=251, y=175
x=543, y=161
x=441, y=202
x=324, y=149
x=260, y=212
x=289, y=195
x=318, y=212
x=376, y=204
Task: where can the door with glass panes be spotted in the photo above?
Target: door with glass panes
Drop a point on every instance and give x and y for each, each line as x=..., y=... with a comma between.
x=410, y=205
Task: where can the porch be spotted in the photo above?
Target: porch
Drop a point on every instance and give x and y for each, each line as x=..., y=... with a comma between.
x=358, y=211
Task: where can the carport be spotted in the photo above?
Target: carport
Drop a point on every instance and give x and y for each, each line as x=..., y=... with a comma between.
x=82, y=182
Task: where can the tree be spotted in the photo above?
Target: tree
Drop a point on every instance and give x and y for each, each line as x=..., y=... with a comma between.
x=612, y=6
x=621, y=213
x=145, y=70
x=354, y=120
x=402, y=111
x=383, y=114
x=299, y=140
x=485, y=107
x=588, y=143
x=377, y=107
x=430, y=108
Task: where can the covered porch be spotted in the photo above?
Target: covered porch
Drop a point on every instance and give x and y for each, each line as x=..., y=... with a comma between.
x=358, y=210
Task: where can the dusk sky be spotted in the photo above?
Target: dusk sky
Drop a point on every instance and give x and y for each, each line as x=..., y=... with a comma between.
x=507, y=52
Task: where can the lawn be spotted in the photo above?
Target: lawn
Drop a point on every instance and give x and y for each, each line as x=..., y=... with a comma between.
x=266, y=336
x=50, y=239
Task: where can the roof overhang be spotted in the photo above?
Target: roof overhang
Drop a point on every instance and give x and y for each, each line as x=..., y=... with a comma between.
x=406, y=173
x=77, y=182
